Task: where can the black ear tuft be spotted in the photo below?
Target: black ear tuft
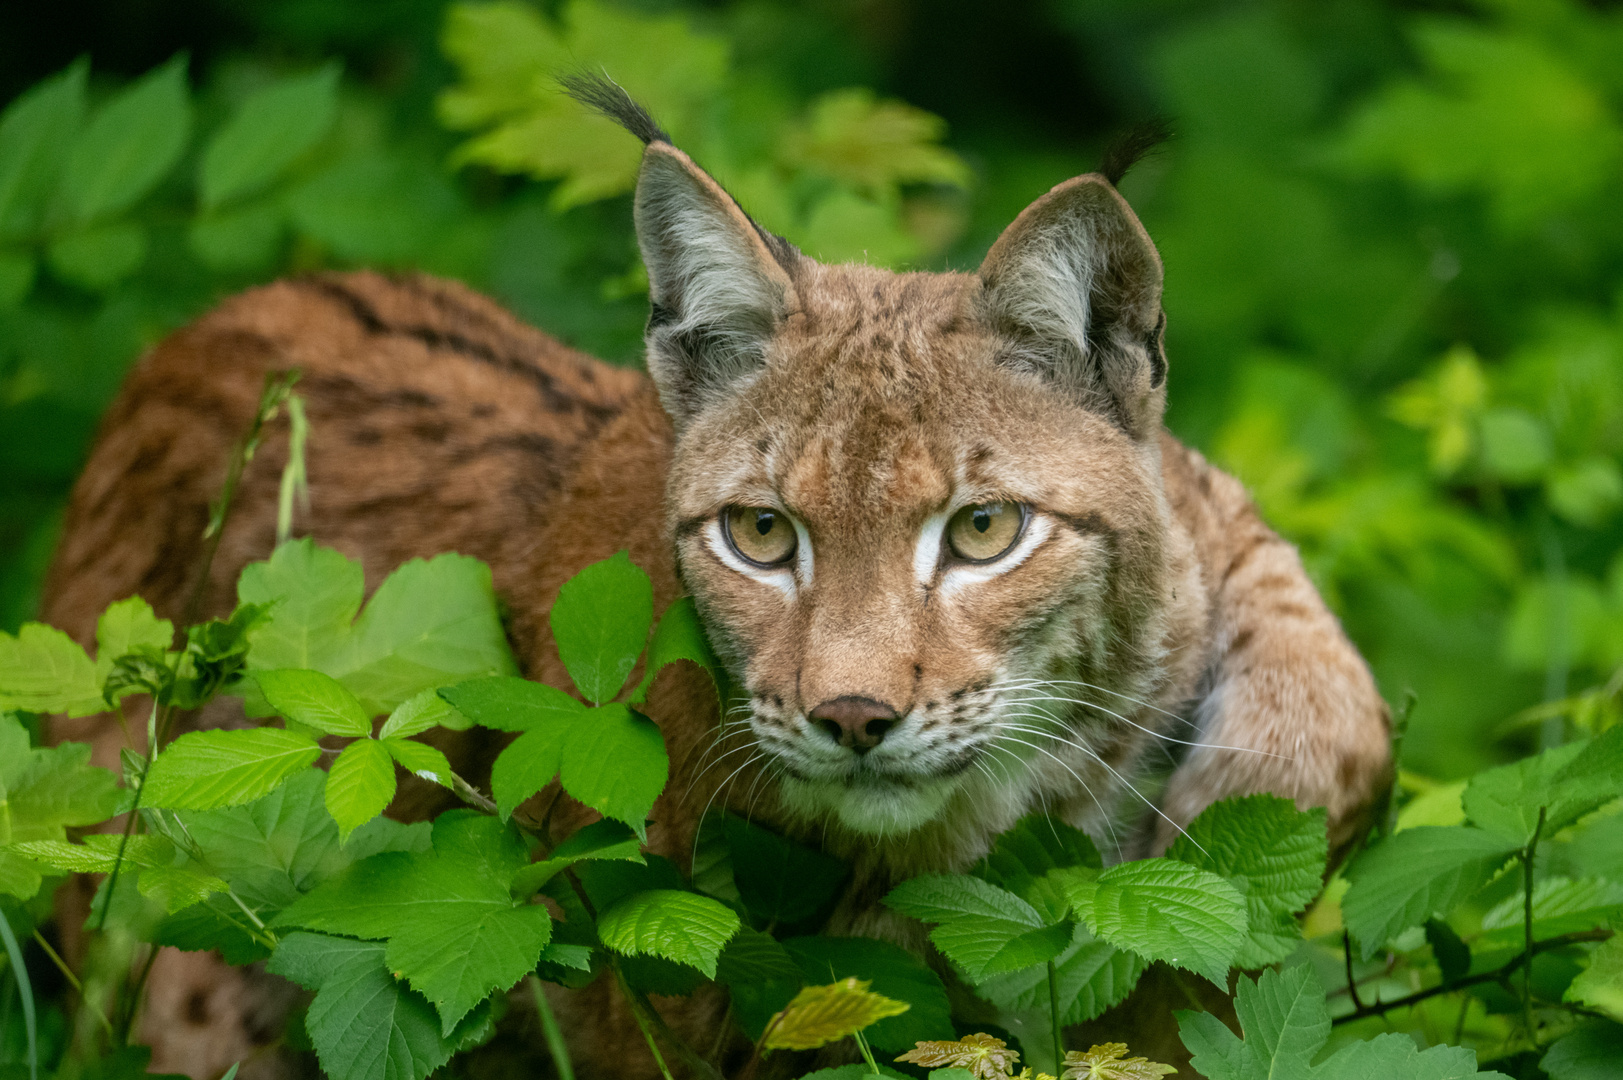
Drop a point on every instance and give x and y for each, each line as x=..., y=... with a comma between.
x=1129, y=148
x=598, y=91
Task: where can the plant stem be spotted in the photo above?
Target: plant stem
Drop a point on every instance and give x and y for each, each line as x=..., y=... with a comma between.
x=73, y=981
x=551, y=1032
x=1499, y=974
x=642, y=1022
x=867, y=1054
x=1053, y=1012
x=1352, y=984
x=1527, y=924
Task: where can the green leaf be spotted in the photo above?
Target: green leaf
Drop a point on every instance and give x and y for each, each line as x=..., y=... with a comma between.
x=1167, y=910
x=679, y=636
x=779, y=880
x=454, y=932
x=246, y=237
x=1589, y=1053
x=981, y=948
x=1414, y=875
x=819, y=1015
x=606, y=839
x=360, y=785
x=1567, y=781
x=1273, y=854
x=614, y=761
x=680, y=926
x=129, y=145
x=420, y=759
x=941, y=898
x=416, y=715
x=97, y=853
x=431, y=623
x=1286, y=1023
x=98, y=257
x=43, y=670
x=1090, y=976
x=129, y=626
x=507, y=703
x=178, y=887
x=205, y=769
x=893, y=972
x=600, y=622
x=43, y=791
x=1600, y=986
x=526, y=766
x=365, y=1026
x=35, y=132
x=1453, y=956
x=267, y=134
x=1022, y=858
x=752, y=957
x=315, y=700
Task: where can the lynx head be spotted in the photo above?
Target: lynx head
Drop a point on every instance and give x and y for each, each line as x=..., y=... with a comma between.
x=910, y=506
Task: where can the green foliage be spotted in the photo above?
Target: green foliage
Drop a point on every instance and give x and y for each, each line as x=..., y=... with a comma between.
x=671, y=924
x=1286, y=1023
x=42, y=793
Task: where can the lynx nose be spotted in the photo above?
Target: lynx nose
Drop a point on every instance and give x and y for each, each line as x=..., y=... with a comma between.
x=856, y=722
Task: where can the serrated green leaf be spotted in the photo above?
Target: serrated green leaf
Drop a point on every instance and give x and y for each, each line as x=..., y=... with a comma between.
x=128, y=146
x=982, y=948
x=614, y=761
x=267, y=133
x=752, y=957
x=178, y=887
x=1600, y=986
x=365, y=1025
x=940, y=898
x=315, y=700
x=679, y=636
x=129, y=626
x=43, y=670
x=36, y=130
x=420, y=759
x=1566, y=781
x=606, y=839
x=97, y=853
x=680, y=926
x=420, y=713
x=205, y=769
x=42, y=792
x=507, y=703
x=1090, y=976
x=1167, y=910
x=527, y=765
x=1414, y=875
x=454, y=932
x=819, y=1015
x=778, y=879
x=429, y=624
x=1589, y=1053
x=893, y=972
x=1273, y=854
x=1022, y=858
x=359, y=785
x=600, y=622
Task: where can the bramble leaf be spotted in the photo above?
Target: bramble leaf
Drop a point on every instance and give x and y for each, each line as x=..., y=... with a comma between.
x=508, y=703
x=268, y=132
x=1273, y=854
x=983, y=1056
x=1109, y=1061
x=1566, y=781
x=818, y=1015
x=314, y=700
x=365, y=1025
x=752, y=957
x=606, y=839
x=1589, y=1053
x=1414, y=875
x=600, y=622
x=1168, y=910
x=939, y=898
x=779, y=880
x=1023, y=857
x=679, y=636
x=128, y=626
x=1600, y=986
x=420, y=759
x=614, y=761
x=680, y=926
x=1090, y=976
x=360, y=785
x=36, y=132
x=205, y=769
x=417, y=714
x=43, y=670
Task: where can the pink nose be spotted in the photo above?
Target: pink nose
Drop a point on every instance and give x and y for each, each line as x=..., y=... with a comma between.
x=856, y=722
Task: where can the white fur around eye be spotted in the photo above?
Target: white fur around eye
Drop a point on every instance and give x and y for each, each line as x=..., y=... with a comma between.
x=927, y=555
x=781, y=578
x=962, y=575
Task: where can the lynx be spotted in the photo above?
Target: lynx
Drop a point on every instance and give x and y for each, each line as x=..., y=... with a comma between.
x=933, y=525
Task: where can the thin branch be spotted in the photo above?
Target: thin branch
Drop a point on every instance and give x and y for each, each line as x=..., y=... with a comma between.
x=73, y=980
x=1352, y=983
x=1527, y=924
x=1499, y=975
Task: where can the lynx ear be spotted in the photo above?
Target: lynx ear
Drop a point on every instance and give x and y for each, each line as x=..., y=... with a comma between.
x=718, y=283
x=1075, y=286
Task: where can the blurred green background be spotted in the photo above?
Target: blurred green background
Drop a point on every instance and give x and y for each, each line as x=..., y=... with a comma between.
x=1393, y=235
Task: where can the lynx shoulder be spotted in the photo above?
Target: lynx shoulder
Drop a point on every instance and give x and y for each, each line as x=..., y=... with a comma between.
x=932, y=523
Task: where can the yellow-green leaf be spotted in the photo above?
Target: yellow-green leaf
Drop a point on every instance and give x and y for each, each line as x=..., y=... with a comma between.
x=1109, y=1061
x=818, y=1015
x=986, y=1057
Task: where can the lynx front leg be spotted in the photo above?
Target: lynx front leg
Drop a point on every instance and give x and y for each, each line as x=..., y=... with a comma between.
x=1287, y=689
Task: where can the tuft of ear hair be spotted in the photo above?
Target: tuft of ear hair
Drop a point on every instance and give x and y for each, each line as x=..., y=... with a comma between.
x=604, y=95
x=1131, y=147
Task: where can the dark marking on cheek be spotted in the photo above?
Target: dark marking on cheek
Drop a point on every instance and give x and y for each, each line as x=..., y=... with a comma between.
x=763, y=444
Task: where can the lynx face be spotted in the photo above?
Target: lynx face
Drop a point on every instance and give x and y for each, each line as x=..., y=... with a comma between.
x=915, y=509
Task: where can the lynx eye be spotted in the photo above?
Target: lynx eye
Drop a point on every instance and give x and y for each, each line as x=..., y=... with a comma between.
x=759, y=534
x=982, y=532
